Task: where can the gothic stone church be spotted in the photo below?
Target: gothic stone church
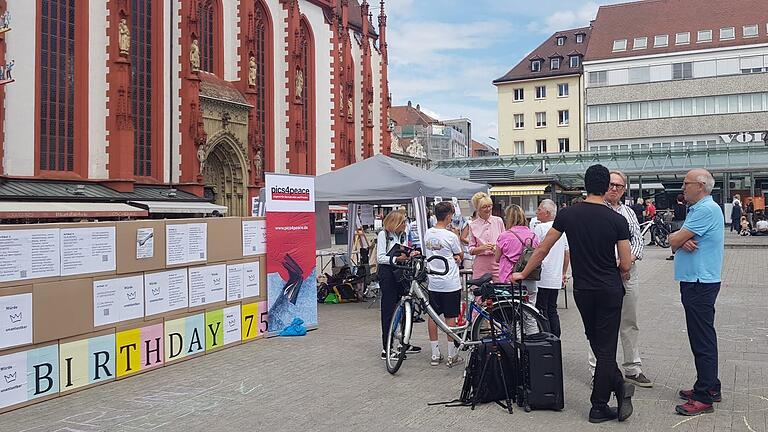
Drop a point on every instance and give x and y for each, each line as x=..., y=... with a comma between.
x=187, y=100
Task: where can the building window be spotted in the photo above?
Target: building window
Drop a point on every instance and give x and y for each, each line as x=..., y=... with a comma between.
x=704, y=36
x=640, y=43
x=639, y=75
x=660, y=41
x=541, y=146
x=562, y=90
x=307, y=64
x=560, y=40
x=599, y=78
x=541, y=119
x=750, y=31
x=208, y=37
x=579, y=38
x=57, y=85
x=563, y=118
x=575, y=61
x=683, y=38
x=541, y=92
x=620, y=45
x=519, y=94
x=262, y=109
x=519, y=147
x=536, y=66
x=682, y=70
x=727, y=33
x=565, y=145
x=519, y=121
x=142, y=104
x=554, y=63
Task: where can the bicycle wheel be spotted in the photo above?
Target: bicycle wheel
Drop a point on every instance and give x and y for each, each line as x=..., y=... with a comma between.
x=504, y=316
x=395, y=352
x=662, y=238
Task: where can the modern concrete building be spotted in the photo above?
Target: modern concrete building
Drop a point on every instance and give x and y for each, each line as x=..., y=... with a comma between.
x=540, y=99
x=419, y=135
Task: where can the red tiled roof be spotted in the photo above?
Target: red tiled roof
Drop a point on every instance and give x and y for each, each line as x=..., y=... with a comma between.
x=214, y=87
x=408, y=115
x=356, y=17
x=649, y=18
x=545, y=51
x=478, y=147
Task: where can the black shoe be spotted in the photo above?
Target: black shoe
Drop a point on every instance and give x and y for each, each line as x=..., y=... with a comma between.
x=670, y=258
x=624, y=398
x=599, y=415
x=413, y=349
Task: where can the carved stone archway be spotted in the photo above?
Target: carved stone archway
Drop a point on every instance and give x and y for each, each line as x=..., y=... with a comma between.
x=225, y=173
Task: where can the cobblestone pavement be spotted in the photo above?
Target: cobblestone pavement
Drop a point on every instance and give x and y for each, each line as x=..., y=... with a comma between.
x=333, y=379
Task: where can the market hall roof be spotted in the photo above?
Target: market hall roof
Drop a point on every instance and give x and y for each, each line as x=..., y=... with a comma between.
x=548, y=49
x=651, y=18
x=37, y=190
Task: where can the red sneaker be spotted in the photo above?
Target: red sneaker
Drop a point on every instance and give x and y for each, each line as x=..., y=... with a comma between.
x=694, y=408
x=688, y=395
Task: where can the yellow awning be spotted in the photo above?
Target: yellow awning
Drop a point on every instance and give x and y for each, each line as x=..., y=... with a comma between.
x=518, y=190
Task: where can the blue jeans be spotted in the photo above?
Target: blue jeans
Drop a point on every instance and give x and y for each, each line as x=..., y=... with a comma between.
x=699, y=303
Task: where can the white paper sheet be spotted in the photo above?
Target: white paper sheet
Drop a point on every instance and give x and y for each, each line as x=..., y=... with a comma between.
x=198, y=242
x=207, y=284
x=15, y=320
x=234, y=282
x=119, y=299
x=87, y=250
x=254, y=237
x=186, y=243
x=166, y=291
x=13, y=379
x=251, y=279
x=232, y=324
x=28, y=254
x=145, y=243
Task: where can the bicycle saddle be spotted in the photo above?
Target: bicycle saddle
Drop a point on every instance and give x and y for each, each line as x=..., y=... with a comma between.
x=481, y=280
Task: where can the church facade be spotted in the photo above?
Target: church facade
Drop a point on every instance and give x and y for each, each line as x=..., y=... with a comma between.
x=202, y=96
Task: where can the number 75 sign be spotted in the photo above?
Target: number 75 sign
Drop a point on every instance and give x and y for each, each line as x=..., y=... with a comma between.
x=254, y=320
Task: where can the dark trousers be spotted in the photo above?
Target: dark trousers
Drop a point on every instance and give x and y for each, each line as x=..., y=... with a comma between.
x=735, y=225
x=390, y=287
x=699, y=304
x=546, y=302
x=601, y=313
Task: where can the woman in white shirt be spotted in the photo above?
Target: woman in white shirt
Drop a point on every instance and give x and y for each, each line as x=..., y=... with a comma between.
x=391, y=285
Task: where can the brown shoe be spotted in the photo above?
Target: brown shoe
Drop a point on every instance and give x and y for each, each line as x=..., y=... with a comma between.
x=694, y=408
x=688, y=395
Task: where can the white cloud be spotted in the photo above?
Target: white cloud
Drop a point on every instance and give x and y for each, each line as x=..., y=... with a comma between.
x=566, y=19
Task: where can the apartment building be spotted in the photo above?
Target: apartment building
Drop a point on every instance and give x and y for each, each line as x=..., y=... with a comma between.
x=540, y=99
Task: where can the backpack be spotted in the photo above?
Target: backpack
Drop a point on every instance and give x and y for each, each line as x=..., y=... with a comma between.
x=525, y=256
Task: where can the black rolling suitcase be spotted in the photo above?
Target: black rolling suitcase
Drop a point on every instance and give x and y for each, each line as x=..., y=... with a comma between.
x=542, y=364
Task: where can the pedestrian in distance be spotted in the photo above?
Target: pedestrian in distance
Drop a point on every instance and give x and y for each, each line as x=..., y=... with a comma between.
x=736, y=214
x=639, y=208
x=681, y=210
x=595, y=233
x=444, y=290
x=484, y=230
x=698, y=265
x=553, y=269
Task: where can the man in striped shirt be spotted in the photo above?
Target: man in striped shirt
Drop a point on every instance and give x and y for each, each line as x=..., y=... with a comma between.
x=628, y=330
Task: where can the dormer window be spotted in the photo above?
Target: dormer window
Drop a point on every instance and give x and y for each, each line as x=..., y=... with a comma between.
x=619, y=45
x=535, y=65
x=560, y=40
x=554, y=63
x=704, y=36
x=575, y=61
x=750, y=31
x=640, y=43
x=579, y=37
x=727, y=33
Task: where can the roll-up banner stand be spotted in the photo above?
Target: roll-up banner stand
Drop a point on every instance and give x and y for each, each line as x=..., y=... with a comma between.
x=420, y=213
x=291, y=264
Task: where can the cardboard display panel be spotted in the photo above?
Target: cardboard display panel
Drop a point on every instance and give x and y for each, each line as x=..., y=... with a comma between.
x=139, y=349
x=117, y=300
x=245, y=279
x=86, y=361
x=254, y=236
x=186, y=242
x=224, y=239
x=28, y=375
x=141, y=246
x=166, y=293
x=62, y=309
x=16, y=313
x=184, y=337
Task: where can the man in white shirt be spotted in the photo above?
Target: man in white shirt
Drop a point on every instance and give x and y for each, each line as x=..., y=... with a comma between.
x=762, y=227
x=445, y=290
x=553, y=268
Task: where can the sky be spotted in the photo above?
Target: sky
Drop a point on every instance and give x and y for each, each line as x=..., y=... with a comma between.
x=444, y=54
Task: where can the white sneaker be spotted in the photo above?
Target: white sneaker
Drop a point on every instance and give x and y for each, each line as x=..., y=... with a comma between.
x=436, y=360
x=453, y=361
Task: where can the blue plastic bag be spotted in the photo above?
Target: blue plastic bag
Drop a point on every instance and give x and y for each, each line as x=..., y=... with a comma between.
x=296, y=328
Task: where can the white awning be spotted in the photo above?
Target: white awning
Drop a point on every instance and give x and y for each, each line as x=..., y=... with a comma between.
x=66, y=210
x=180, y=207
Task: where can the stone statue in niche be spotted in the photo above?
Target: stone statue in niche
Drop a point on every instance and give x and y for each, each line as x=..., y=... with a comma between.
x=124, y=41
x=350, y=108
x=252, y=68
x=370, y=112
x=5, y=20
x=258, y=163
x=201, y=157
x=299, y=84
x=194, y=55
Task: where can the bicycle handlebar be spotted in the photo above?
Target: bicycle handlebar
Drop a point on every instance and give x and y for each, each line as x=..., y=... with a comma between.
x=412, y=260
x=438, y=273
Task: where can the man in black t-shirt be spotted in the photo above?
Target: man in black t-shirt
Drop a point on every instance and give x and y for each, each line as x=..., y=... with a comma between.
x=595, y=234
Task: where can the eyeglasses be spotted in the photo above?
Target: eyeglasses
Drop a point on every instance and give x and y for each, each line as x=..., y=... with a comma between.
x=686, y=183
x=616, y=186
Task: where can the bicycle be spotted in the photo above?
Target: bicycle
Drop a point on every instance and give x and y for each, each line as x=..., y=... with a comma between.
x=659, y=231
x=502, y=306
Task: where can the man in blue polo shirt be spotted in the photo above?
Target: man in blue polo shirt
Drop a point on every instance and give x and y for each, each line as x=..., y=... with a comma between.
x=699, y=259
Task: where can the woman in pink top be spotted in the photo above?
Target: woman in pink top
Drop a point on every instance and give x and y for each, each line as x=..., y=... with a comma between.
x=484, y=230
x=510, y=242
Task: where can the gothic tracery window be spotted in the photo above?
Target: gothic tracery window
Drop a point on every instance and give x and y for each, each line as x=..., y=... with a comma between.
x=307, y=64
